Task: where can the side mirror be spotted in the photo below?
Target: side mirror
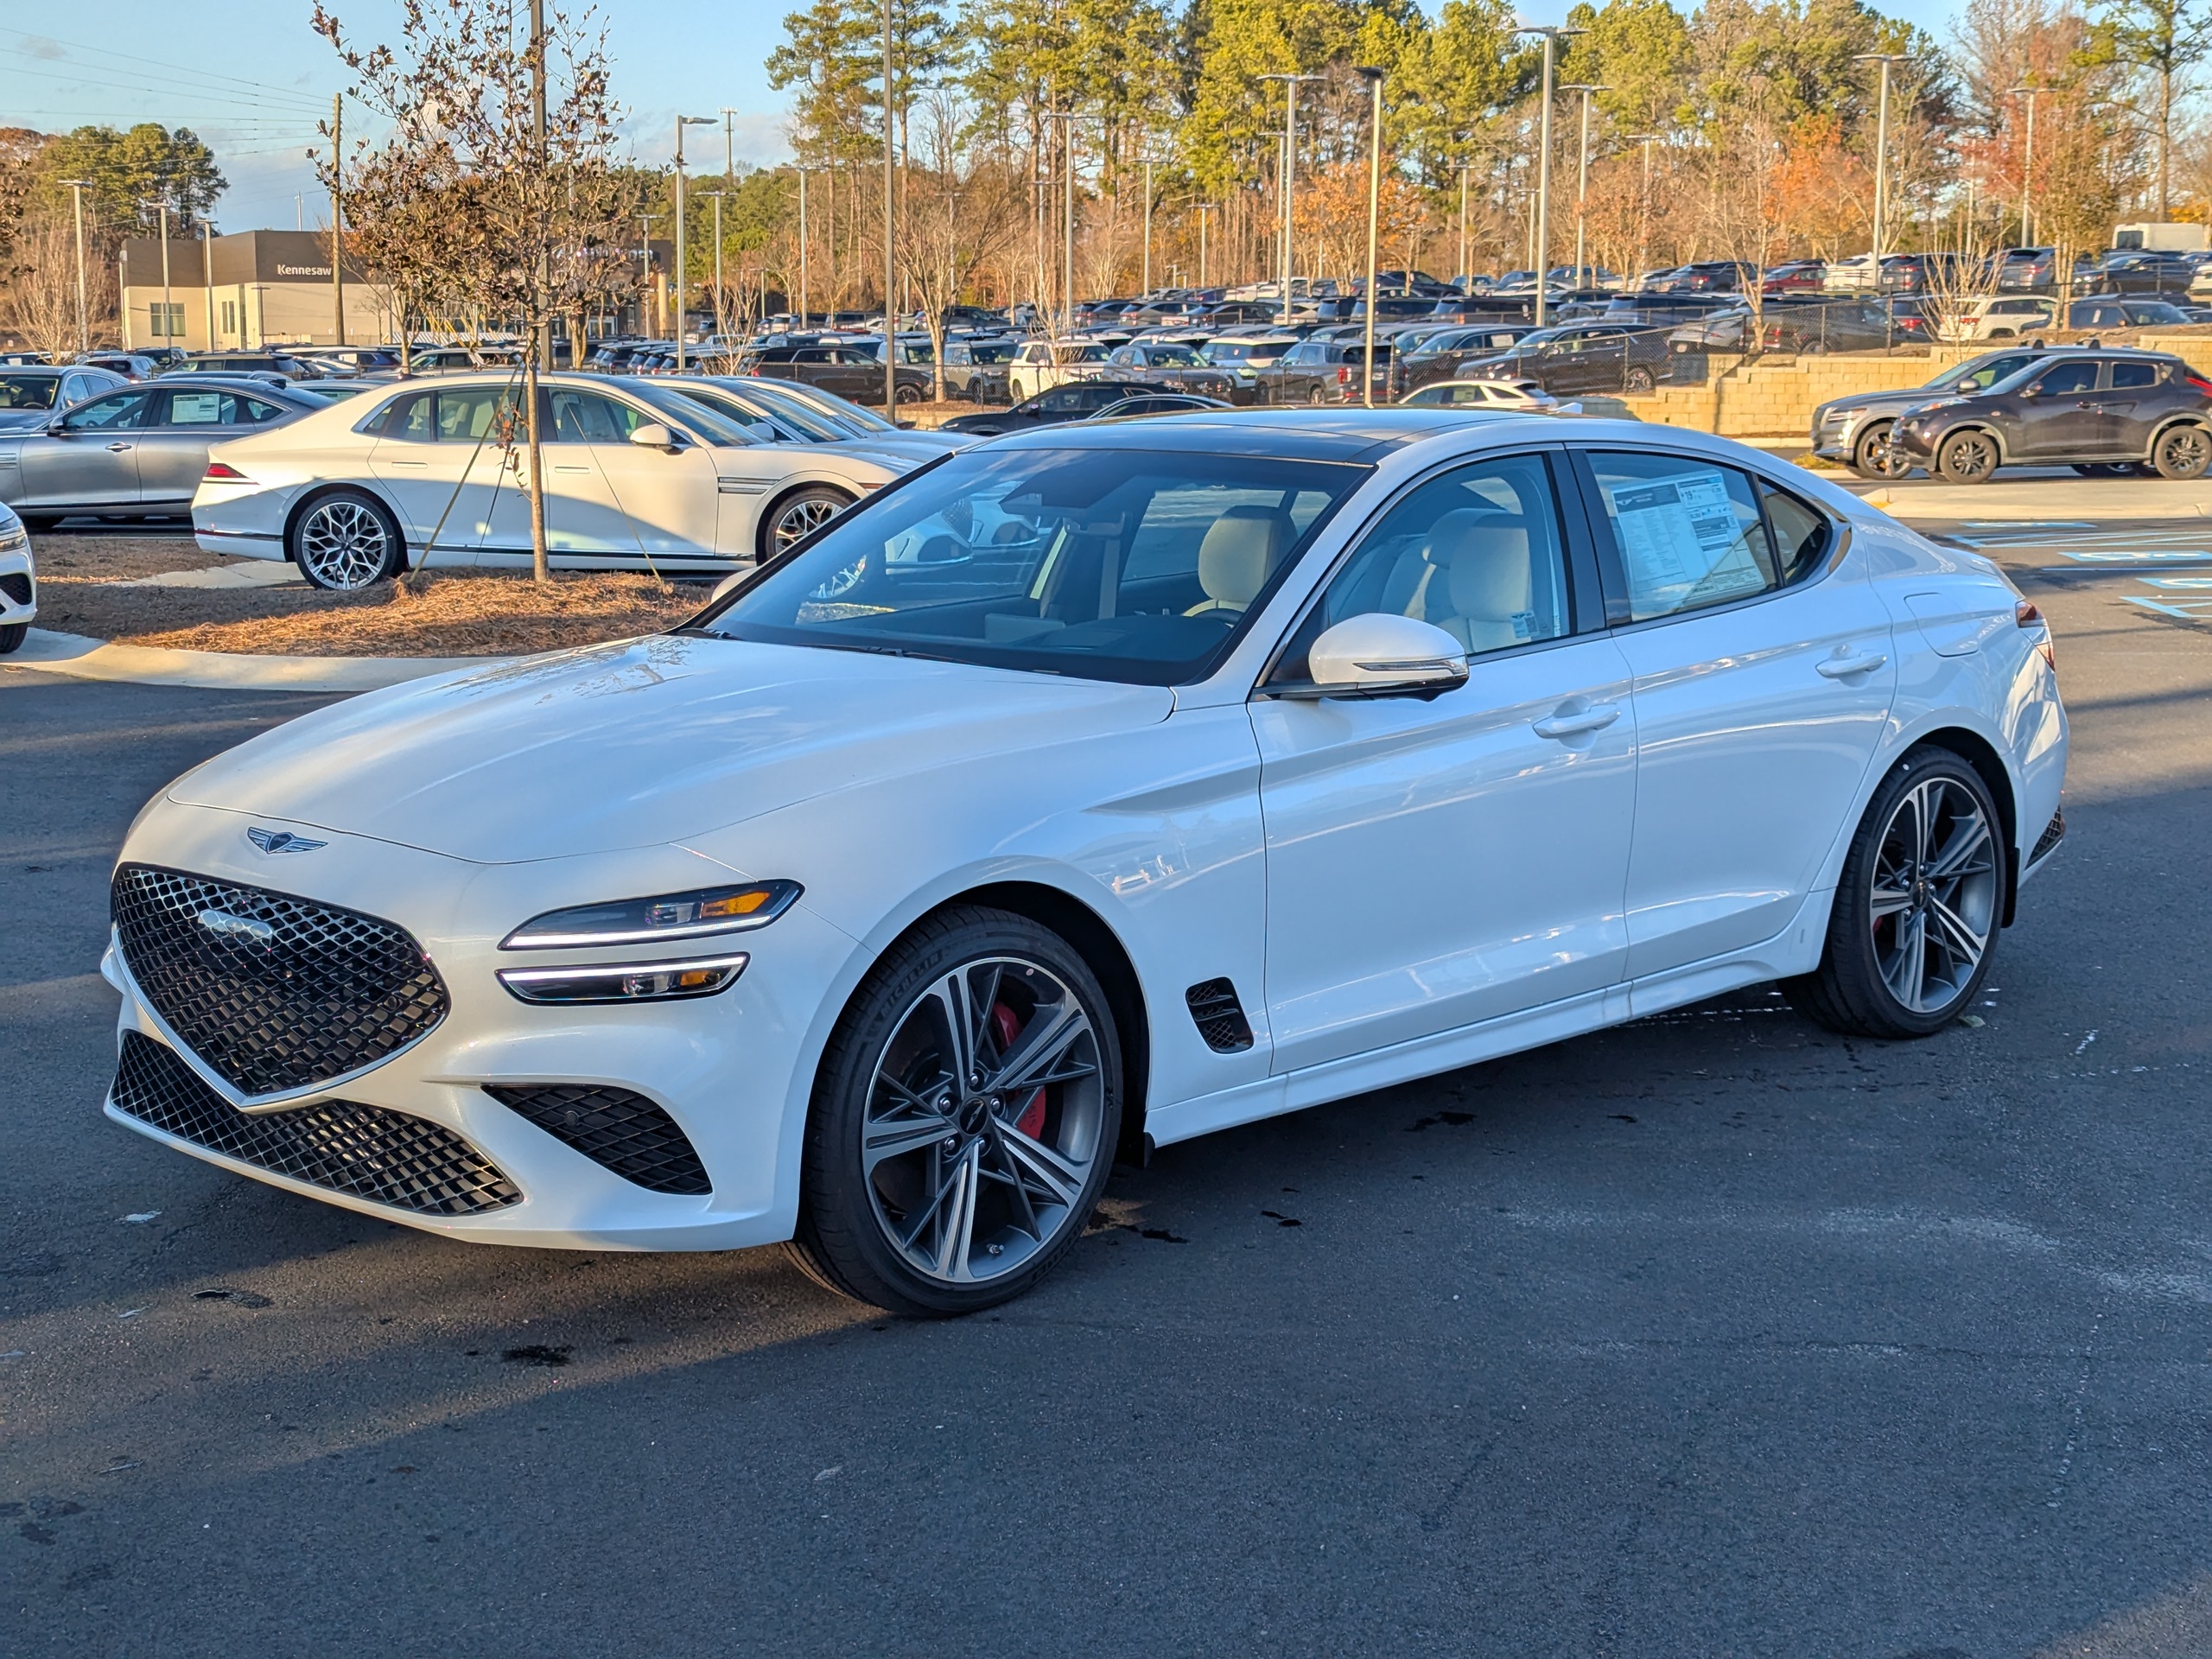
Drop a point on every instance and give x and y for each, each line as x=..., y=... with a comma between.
x=1379, y=655
x=653, y=436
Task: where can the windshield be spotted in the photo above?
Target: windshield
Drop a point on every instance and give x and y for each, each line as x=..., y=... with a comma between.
x=825, y=406
x=1171, y=357
x=28, y=390
x=1243, y=351
x=714, y=424
x=1982, y=373
x=1112, y=565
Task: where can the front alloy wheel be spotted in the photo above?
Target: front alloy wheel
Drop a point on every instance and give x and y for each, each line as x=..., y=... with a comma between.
x=1967, y=458
x=1874, y=456
x=1917, y=911
x=346, y=541
x=2183, y=452
x=1640, y=381
x=965, y=1118
x=798, y=516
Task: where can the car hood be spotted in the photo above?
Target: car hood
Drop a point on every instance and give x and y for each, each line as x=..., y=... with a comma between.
x=640, y=743
x=24, y=419
x=902, y=453
x=1876, y=402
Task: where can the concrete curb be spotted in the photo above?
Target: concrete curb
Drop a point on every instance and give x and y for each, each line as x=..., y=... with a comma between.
x=99, y=659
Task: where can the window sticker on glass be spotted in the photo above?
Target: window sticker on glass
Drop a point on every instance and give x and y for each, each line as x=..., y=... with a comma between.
x=1683, y=541
x=195, y=408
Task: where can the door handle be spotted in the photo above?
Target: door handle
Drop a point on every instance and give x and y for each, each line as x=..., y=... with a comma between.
x=1578, y=723
x=1842, y=667
x=117, y=448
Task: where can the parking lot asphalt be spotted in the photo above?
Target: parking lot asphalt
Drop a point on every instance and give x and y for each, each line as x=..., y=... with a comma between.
x=1712, y=1335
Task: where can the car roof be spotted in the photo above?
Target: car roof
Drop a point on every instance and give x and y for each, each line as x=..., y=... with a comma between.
x=1363, y=434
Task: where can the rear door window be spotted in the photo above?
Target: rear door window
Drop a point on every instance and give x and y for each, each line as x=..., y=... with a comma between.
x=1686, y=534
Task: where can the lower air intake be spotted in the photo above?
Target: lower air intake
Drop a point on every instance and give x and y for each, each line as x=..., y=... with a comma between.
x=1219, y=1016
x=615, y=1128
x=366, y=1152
x=2047, y=843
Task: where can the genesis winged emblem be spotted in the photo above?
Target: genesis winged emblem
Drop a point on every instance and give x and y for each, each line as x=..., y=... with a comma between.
x=281, y=841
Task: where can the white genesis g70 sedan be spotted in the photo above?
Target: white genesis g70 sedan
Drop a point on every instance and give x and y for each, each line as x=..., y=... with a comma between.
x=1080, y=794
x=638, y=476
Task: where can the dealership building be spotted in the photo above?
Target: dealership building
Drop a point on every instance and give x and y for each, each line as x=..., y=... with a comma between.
x=242, y=292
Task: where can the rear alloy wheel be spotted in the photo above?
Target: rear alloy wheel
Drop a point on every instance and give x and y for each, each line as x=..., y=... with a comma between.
x=965, y=1118
x=1873, y=456
x=1916, y=912
x=797, y=516
x=1315, y=395
x=346, y=541
x=1639, y=380
x=908, y=393
x=1967, y=458
x=2182, y=452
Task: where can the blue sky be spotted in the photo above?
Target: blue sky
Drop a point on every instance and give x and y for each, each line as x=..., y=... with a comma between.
x=251, y=78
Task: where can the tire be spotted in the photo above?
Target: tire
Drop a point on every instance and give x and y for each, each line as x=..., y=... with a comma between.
x=1871, y=456
x=2182, y=452
x=2105, y=468
x=1315, y=397
x=2002, y=334
x=1922, y=888
x=12, y=637
x=973, y=1192
x=346, y=541
x=908, y=393
x=1639, y=380
x=797, y=516
x=1968, y=457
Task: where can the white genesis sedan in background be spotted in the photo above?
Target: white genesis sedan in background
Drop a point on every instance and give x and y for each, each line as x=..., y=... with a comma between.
x=637, y=475
x=1097, y=787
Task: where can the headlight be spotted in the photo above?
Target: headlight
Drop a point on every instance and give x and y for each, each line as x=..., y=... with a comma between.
x=13, y=537
x=628, y=982
x=645, y=921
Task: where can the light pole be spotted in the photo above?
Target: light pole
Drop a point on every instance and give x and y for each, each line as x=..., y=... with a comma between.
x=2028, y=164
x=1150, y=161
x=890, y=228
x=1374, y=79
x=1290, y=84
x=1582, y=172
x=681, y=122
x=1644, y=205
x=1881, y=156
x=720, y=321
x=1067, y=118
x=165, y=272
x=1204, y=209
x=77, y=188
x=1464, y=168
x=1551, y=33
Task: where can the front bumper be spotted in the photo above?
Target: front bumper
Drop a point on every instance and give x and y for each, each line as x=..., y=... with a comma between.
x=725, y=1069
x=18, y=587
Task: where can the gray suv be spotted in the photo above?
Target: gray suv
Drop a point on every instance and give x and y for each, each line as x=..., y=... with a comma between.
x=1856, y=430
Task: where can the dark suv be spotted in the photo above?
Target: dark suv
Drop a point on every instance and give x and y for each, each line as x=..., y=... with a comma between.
x=1580, y=357
x=2099, y=412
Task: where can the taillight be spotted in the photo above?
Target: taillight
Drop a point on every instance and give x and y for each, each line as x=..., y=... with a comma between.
x=217, y=469
x=2027, y=614
x=1344, y=376
x=2199, y=382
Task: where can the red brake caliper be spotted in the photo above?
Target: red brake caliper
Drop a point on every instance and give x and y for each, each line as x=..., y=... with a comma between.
x=1032, y=1121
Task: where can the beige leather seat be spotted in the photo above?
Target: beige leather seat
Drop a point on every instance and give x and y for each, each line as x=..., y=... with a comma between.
x=1241, y=551
x=1483, y=561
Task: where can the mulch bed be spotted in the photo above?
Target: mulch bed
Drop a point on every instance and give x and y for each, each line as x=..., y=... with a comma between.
x=459, y=614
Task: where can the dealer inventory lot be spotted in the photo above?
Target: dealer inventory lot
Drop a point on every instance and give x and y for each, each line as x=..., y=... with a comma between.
x=1656, y=1384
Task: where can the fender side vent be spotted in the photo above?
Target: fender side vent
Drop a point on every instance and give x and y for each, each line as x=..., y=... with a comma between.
x=2047, y=843
x=1219, y=1016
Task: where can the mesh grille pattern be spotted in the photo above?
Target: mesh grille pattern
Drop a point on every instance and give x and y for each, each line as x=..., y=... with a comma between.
x=386, y=1157
x=1220, y=1016
x=2053, y=833
x=290, y=994
x=17, y=586
x=625, y=1132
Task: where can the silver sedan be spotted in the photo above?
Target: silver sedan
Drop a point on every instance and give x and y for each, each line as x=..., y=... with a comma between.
x=137, y=452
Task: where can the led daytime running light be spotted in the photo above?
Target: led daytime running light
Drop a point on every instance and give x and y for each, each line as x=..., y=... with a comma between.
x=624, y=982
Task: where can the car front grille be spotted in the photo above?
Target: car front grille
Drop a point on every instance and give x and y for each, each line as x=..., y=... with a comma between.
x=617, y=1128
x=274, y=993
x=367, y=1152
